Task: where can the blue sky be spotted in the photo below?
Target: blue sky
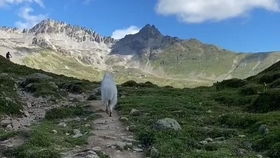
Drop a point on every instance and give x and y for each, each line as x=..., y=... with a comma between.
x=238, y=25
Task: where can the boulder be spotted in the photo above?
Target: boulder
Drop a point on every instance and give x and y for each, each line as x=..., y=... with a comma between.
x=77, y=133
x=167, y=124
x=124, y=119
x=137, y=149
x=86, y=154
x=62, y=124
x=259, y=156
x=53, y=85
x=209, y=139
x=135, y=112
x=97, y=91
x=74, y=88
x=97, y=149
x=15, y=124
x=241, y=152
x=92, y=97
x=220, y=138
x=5, y=122
x=54, y=131
x=203, y=142
x=26, y=113
x=154, y=153
x=9, y=127
x=131, y=128
x=30, y=88
x=35, y=77
x=263, y=129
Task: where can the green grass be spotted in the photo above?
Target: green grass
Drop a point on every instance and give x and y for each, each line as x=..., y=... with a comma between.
x=43, y=142
x=4, y=135
x=230, y=112
x=8, y=106
x=65, y=112
x=9, y=103
x=202, y=112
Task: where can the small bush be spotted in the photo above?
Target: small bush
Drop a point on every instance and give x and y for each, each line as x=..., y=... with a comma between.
x=275, y=84
x=232, y=83
x=64, y=112
x=40, y=87
x=146, y=138
x=268, y=101
x=168, y=87
x=268, y=78
x=250, y=89
x=45, y=89
x=269, y=143
x=9, y=107
x=237, y=120
x=6, y=135
x=274, y=152
x=75, y=88
x=40, y=139
x=33, y=152
x=233, y=99
x=147, y=84
x=130, y=84
x=39, y=145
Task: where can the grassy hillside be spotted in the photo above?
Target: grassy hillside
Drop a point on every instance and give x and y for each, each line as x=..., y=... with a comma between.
x=182, y=64
x=44, y=138
x=60, y=64
x=193, y=59
x=233, y=118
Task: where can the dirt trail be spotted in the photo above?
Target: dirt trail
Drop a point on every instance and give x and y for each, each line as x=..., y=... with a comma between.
x=111, y=136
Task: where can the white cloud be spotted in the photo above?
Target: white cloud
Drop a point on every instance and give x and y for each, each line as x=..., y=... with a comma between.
x=120, y=33
x=197, y=11
x=11, y=2
x=29, y=20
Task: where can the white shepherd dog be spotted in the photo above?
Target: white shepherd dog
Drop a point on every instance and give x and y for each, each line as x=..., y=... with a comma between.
x=109, y=93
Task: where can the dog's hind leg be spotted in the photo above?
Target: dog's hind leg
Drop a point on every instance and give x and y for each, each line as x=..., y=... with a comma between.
x=109, y=107
x=106, y=107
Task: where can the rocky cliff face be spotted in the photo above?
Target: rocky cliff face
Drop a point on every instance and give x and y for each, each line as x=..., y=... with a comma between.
x=79, y=34
x=83, y=45
x=147, y=40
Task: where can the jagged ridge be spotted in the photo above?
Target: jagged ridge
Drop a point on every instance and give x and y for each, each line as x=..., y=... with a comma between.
x=148, y=39
x=79, y=33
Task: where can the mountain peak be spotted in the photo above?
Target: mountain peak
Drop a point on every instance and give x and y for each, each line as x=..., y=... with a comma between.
x=150, y=30
x=150, y=27
x=80, y=34
x=48, y=26
x=147, y=40
x=51, y=22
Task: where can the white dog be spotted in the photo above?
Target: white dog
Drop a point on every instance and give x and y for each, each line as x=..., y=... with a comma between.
x=109, y=93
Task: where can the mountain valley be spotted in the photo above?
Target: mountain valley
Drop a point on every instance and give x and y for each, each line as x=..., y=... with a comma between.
x=148, y=55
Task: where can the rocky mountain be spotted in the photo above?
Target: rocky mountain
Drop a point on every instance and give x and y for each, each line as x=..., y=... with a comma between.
x=83, y=45
x=148, y=39
x=77, y=33
x=145, y=56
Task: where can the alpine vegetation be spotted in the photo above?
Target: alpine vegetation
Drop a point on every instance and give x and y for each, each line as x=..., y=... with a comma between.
x=109, y=93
